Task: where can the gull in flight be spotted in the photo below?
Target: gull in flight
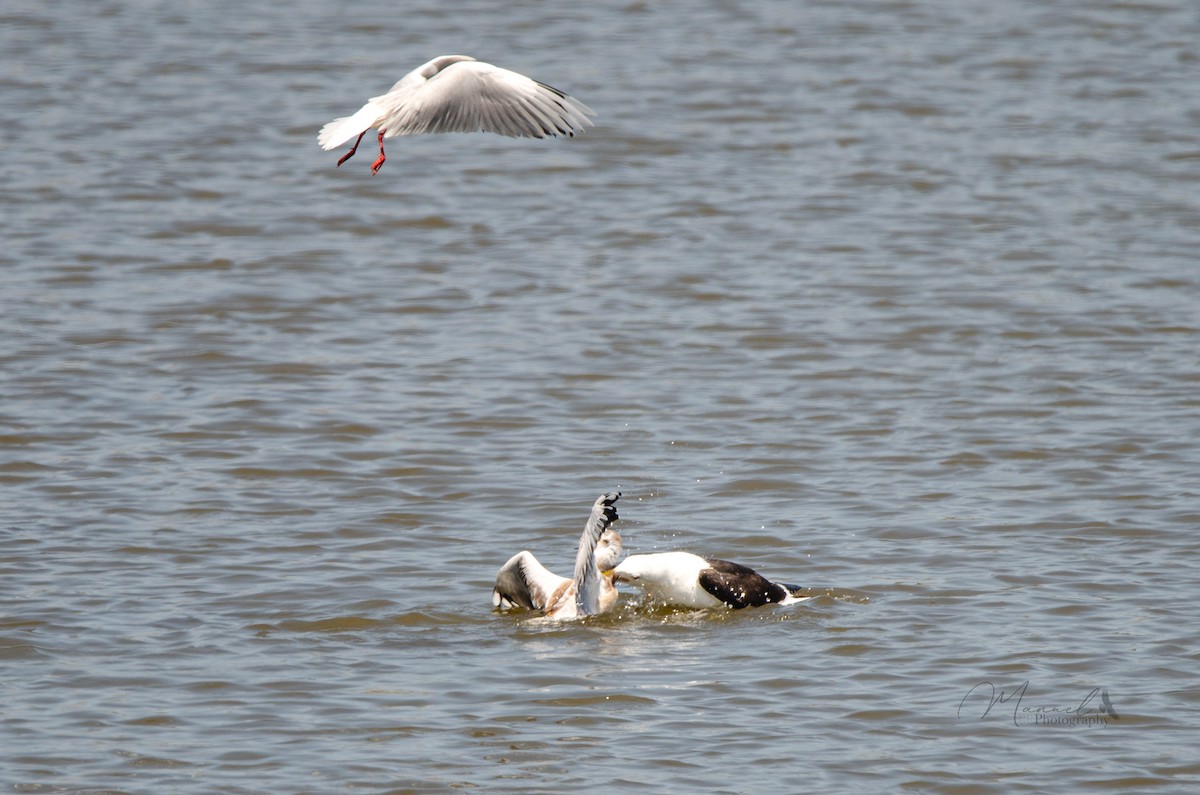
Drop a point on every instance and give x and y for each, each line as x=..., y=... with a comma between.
x=456, y=93
x=524, y=582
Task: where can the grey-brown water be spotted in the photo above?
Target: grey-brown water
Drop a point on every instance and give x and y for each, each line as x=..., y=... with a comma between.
x=895, y=300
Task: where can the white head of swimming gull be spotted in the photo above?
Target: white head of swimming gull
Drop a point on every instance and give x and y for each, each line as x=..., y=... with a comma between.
x=456, y=93
x=524, y=582
x=687, y=580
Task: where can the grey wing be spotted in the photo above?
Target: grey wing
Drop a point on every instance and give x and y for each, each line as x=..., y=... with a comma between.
x=739, y=586
x=472, y=96
x=524, y=582
x=587, y=572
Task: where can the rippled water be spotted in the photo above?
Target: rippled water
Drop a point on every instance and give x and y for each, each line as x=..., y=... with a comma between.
x=895, y=300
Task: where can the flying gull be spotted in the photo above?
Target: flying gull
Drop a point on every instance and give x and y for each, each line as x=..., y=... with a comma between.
x=456, y=93
x=524, y=582
x=687, y=580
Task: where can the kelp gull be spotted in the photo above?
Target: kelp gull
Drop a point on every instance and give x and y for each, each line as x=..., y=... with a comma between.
x=687, y=580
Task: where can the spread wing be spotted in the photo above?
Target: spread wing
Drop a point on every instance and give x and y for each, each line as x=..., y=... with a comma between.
x=587, y=572
x=472, y=96
x=524, y=582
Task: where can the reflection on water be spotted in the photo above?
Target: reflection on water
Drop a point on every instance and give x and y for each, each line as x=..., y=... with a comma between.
x=894, y=301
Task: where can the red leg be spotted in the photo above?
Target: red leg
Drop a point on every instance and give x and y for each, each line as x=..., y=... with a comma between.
x=353, y=149
x=382, y=157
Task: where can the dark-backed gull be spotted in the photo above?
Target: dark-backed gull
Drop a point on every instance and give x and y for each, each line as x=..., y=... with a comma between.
x=524, y=582
x=687, y=580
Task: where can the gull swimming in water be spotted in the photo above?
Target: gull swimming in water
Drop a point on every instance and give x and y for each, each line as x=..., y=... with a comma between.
x=687, y=580
x=456, y=93
x=524, y=582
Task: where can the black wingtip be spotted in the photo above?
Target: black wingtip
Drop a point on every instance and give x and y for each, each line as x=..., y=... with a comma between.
x=609, y=500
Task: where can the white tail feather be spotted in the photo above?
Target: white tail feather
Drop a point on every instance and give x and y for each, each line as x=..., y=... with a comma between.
x=339, y=131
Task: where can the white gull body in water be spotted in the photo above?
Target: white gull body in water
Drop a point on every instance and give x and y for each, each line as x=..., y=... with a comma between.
x=456, y=93
x=687, y=580
x=524, y=582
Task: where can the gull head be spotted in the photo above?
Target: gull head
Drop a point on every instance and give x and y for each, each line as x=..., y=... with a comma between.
x=608, y=550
